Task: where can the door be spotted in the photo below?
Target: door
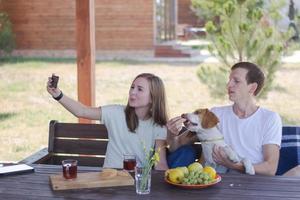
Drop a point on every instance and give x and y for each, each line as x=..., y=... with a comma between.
x=166, y=19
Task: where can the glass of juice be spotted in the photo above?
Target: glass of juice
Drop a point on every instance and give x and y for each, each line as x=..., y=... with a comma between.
x=129, y=162
x=69, y=169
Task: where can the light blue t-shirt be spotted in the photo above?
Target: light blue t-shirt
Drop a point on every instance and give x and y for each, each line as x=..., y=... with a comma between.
x=122, y=141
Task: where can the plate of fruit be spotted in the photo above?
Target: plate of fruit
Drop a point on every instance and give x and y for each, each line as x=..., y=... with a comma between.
x=193, y=176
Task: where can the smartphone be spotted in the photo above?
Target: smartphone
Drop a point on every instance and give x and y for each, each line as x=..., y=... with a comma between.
x=54, y=81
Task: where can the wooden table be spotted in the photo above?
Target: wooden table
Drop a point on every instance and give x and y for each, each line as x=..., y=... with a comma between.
x=233, y=186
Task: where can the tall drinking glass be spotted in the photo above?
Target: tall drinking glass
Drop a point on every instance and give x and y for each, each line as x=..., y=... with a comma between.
x=142, y=180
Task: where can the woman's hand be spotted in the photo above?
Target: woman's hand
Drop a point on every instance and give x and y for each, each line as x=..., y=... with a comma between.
x=174, y=125
x=55, y=92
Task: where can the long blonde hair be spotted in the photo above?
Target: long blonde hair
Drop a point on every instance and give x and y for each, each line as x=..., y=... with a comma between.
x=158, y=108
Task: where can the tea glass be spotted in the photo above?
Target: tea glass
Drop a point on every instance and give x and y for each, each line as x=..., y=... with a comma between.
x=69, y=168
x=129, y=162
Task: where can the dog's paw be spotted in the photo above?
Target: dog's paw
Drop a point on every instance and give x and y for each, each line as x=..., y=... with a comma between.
x=249, y=169
x=232, y=156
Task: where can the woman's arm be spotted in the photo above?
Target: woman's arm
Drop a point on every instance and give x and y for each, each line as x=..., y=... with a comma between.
x=75, y=107
x=161, y=146
x=80, y=110
x=175, y=138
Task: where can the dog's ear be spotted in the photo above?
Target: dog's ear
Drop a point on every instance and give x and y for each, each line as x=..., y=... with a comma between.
x=209, y=119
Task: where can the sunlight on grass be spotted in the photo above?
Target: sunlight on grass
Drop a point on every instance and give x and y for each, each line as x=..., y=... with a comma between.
x=27, y=108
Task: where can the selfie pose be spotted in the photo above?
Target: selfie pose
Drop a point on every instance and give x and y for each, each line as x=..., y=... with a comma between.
x=131, y=128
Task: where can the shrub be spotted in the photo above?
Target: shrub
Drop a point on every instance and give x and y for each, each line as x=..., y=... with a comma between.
x=7, y=38
x=241, y=32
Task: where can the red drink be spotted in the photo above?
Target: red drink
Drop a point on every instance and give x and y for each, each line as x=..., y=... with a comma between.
x=69, y=169
x=129, y=164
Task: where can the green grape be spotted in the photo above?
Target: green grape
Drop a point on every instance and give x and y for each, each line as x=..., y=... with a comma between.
x=192, y=173
x=206, y=177
x=201, y=175
x=199, y=180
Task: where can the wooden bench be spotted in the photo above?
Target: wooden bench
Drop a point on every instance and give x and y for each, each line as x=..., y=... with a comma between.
x=87, y=143
x=84, y=142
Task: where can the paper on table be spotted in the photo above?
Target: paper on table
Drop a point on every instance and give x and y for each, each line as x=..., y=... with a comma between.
x=15, y=169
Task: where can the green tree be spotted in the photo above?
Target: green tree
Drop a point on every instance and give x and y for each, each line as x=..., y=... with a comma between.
x=242, y=31
x=7, y=37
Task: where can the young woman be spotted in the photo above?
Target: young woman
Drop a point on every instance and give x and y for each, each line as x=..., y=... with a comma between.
x=131, y=128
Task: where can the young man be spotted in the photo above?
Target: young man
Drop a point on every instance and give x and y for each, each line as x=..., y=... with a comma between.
x=252, y=131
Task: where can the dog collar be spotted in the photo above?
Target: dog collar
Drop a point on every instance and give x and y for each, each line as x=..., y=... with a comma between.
x=213, y=140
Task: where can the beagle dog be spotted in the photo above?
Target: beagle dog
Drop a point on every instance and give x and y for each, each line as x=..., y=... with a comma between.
x=203, y=122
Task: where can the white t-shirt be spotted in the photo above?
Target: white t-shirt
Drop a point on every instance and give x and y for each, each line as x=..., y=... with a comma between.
x=122, y=141
x=247, y=136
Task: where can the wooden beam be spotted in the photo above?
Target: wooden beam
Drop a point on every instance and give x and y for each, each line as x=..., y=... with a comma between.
x=85, y=42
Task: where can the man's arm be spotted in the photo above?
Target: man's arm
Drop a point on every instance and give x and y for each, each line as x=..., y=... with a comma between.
x=267, y=167
x=270, y=163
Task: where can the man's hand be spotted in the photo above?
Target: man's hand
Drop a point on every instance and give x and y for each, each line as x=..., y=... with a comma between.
x=221, y=158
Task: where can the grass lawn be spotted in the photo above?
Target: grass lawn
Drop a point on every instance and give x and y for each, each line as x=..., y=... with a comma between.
x=27, y=108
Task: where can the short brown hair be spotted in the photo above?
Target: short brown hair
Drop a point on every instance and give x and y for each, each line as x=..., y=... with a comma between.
x=158, y=109
x=254, y=74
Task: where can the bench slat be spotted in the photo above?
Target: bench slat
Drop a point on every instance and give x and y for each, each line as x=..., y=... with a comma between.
x=82, y=161
x=81, y=130
x=89, y=147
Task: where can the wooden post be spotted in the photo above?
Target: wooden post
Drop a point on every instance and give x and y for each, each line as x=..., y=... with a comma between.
x=85, y=42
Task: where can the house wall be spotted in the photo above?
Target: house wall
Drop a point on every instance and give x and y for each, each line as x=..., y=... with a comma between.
x=50, y=24
x=186, y=15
